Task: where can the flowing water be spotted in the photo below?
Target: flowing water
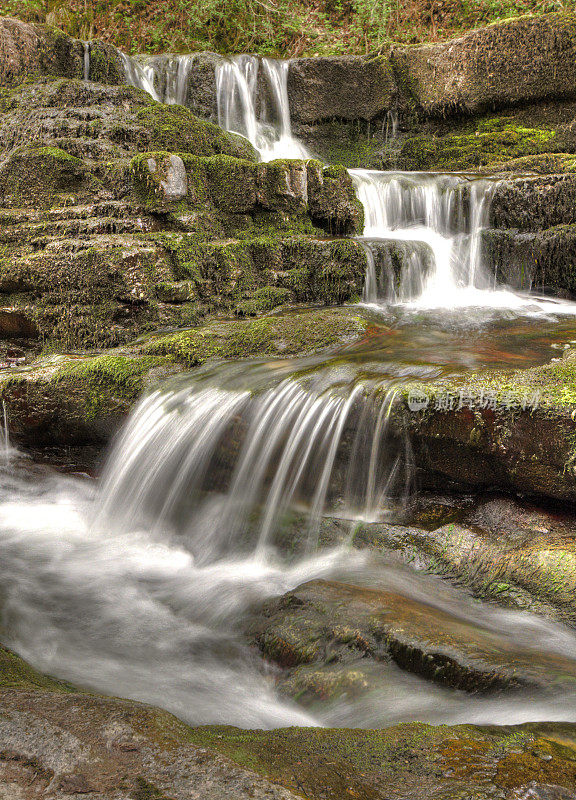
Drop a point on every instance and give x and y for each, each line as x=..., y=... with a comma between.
x=141, y=585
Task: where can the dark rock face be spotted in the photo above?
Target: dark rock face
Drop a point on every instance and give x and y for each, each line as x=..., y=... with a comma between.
x=539, y=261
x=534, y=203
x=510, y=429
x=347, y=88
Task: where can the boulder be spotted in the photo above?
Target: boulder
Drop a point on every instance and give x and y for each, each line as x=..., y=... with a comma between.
x=28, y=50
x=533, y=203
x=512, y=429
x=517, y=61
x=328, y=636
x=342, y=87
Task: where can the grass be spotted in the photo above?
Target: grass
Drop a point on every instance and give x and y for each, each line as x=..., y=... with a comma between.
x=286, y=28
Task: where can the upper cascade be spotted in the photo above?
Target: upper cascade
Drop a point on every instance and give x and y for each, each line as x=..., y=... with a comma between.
x=253, y=101
x=251, y=97
x=437, y=218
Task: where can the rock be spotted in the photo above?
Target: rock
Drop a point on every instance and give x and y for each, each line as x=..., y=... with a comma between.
x=534, y=203
x=332, y=199
x=16, y=325
x=67, y=400
x=58, y=742
x=543, y=261
x=83, y=400
x=283, y=186
x=516, y=61
x=37, y=175
x=64, y=112
x=539, y=791
x=172, y=180
x=328, y=635
x=29, y=50
x=514, y=429
x=343, y=87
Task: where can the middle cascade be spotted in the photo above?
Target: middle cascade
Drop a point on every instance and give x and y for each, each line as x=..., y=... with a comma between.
x=221, y=458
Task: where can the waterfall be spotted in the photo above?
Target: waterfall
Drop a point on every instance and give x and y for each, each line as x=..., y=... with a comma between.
x=312, y=444
x=445, y=212
x=252, y=96
x=86, y=61
x=141, y=75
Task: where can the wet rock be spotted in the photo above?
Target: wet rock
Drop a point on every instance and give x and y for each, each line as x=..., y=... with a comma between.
x=329, y=635
x=332, y=199
x=539, y=791
x=283, y=186
x=507, y=429
x=534, y=203
x=541, y=261
x=16, y=325
x=59, y=742
x=513, y=553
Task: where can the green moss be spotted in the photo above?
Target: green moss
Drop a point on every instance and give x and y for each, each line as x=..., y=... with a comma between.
x=494, y=140
x=17, y=674
x=342, y=763
x=41, y=175
x=293, y=334
x=106, y=381
x=176, y=129
x=263, y=300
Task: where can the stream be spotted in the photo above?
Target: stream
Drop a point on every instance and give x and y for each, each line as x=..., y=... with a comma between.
x=141, y=584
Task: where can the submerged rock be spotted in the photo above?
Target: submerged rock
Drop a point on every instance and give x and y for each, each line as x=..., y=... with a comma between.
x=330, y=636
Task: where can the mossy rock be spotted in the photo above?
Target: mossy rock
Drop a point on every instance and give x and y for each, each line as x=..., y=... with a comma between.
x=493, y=141
x=79, y=400
x=43, y=176
x=282, y=335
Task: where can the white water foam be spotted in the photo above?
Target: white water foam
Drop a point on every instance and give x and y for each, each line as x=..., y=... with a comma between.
x=448, y=213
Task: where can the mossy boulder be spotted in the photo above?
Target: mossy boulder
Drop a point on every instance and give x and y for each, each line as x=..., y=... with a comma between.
x=28, y=50
x=103, y=122
x=43, y=177
x=332, y=199
x=81, y=400
x=328, y=637
x=534, y=202
x=513, y=429
x=517, y=61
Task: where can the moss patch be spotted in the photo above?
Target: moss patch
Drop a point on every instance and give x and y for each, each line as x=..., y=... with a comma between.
x=494, y=140
x=293, y=334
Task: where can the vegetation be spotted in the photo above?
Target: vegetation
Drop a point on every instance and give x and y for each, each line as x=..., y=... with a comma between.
x=271, y=27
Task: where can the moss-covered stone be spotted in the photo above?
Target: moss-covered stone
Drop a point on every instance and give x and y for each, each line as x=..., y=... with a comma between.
x=75, y=400
x=494, y=140
x=43, y=177
x=513, y=429
x=507, y=63
x=290, y=334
